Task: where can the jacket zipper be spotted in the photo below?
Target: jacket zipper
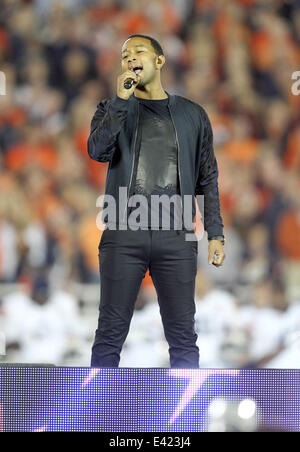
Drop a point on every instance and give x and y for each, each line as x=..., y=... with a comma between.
x=107, y=175
x=133, y=160
x=178, y=165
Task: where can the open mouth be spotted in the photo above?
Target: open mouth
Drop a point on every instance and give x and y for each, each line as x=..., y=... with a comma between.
x=137, y=69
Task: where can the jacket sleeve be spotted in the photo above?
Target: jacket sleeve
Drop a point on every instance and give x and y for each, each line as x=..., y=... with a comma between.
x=105, y=126
x=207, y=180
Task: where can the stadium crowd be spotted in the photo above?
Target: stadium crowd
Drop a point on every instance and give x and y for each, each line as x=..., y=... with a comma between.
x=235, y=58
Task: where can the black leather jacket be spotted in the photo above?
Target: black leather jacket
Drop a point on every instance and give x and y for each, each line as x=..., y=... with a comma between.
x=113, y=136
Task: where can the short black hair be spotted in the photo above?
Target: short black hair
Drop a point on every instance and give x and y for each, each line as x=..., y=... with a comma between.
x=155, y=44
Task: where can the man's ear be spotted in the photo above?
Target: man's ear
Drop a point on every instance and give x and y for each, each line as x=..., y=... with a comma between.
x=160, y=61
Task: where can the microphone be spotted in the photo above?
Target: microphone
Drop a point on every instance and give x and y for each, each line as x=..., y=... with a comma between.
x=128, y=84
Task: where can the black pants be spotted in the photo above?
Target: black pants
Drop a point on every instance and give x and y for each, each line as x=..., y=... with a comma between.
x=124, y=257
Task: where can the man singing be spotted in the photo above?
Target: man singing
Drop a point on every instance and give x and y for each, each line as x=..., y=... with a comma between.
x=157, y=145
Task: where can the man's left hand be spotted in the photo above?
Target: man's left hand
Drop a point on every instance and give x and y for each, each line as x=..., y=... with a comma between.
x=216, y=253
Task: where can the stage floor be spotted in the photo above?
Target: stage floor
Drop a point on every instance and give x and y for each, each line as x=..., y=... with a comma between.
x=147, y=400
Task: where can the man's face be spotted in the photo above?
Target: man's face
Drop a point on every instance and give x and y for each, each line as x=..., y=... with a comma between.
x=138, y=52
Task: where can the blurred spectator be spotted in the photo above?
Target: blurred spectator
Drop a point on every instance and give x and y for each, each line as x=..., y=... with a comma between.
x=42, y=326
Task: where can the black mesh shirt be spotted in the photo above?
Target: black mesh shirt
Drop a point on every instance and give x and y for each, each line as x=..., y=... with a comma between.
x=156, y=167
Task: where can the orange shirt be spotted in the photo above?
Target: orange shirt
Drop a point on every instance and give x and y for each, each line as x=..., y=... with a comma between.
x=21, y=154
x=288, y=235
x=244, y=151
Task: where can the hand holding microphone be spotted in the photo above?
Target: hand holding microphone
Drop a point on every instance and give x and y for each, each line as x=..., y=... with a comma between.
x=127, y=82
